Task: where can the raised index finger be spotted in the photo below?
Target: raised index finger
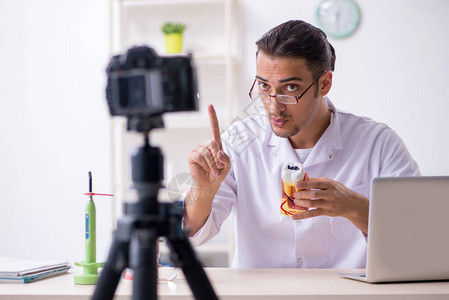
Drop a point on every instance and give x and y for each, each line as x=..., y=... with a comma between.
x=214, y=125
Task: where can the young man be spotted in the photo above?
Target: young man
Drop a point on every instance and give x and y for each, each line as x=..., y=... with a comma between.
x=340, y=152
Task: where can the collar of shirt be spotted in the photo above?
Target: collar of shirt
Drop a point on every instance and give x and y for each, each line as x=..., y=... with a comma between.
x=323, y=150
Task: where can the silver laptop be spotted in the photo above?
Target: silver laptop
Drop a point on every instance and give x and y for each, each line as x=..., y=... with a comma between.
x=408, y=232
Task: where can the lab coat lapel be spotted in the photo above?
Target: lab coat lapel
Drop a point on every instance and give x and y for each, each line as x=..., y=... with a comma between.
x=329, y=142
x=282, y=150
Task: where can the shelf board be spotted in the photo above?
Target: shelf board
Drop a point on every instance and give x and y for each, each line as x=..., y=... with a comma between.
x=201, y=57
x=169, y=2
x=209, y=57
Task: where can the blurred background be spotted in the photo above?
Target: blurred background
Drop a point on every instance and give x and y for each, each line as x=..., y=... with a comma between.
x=55, y=126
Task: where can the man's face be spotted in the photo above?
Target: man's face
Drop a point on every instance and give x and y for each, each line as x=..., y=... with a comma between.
x=287, y=76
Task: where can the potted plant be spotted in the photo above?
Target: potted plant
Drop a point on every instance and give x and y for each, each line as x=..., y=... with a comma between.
x=173, y=36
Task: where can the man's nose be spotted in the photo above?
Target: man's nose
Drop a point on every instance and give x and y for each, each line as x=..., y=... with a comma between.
x=275, y=105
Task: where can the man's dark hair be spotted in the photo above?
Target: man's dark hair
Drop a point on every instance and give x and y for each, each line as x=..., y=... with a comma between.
x=299, y=39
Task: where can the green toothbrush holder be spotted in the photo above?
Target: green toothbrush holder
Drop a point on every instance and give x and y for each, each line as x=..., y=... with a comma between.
x=90, y=275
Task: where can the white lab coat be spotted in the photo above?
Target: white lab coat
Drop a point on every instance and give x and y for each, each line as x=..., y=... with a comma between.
x=352, y=150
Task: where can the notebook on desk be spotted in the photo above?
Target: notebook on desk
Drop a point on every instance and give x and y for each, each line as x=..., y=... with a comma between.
x=408, y=231
x=14, y=270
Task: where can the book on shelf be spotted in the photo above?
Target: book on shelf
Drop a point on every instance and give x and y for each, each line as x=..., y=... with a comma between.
x=15, y=270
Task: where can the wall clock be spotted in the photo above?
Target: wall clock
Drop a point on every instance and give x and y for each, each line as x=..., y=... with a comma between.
x=338, y=18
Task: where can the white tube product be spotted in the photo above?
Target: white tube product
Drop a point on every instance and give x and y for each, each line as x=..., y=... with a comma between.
x=291, y=174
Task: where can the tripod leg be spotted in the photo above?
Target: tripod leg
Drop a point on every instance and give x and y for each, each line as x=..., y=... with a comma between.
x=115, y=264
x=144, y=263
x=192, y=268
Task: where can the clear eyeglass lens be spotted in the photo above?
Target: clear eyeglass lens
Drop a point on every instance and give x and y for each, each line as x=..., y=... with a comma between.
x=285, y=99
x=263, y=97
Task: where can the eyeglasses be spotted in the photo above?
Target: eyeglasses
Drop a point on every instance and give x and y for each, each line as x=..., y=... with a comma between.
x=284, y=99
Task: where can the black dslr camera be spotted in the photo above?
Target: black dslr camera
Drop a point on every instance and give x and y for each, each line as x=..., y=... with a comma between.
x=142, y=84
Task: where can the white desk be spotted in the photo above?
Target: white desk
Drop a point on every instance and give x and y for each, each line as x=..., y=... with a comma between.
x=245, y=284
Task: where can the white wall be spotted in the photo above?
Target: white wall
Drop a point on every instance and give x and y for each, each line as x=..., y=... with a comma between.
x=54, y=126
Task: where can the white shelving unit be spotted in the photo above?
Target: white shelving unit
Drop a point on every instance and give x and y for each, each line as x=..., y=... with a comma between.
x=210, y=36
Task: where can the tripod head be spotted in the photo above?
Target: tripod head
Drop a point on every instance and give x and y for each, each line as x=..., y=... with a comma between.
x=147, y=167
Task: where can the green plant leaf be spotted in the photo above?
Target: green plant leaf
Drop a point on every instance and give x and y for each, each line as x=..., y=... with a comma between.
x=169, y=27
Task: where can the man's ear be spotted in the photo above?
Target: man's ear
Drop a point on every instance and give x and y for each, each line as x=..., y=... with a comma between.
x=325, y=83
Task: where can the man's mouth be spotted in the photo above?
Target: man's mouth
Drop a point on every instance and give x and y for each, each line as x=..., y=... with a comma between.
x=278, y=122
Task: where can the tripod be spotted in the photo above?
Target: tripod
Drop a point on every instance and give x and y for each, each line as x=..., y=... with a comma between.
x=135, y=238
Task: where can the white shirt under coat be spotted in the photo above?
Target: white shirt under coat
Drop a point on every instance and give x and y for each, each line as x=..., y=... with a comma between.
x=353, y=150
